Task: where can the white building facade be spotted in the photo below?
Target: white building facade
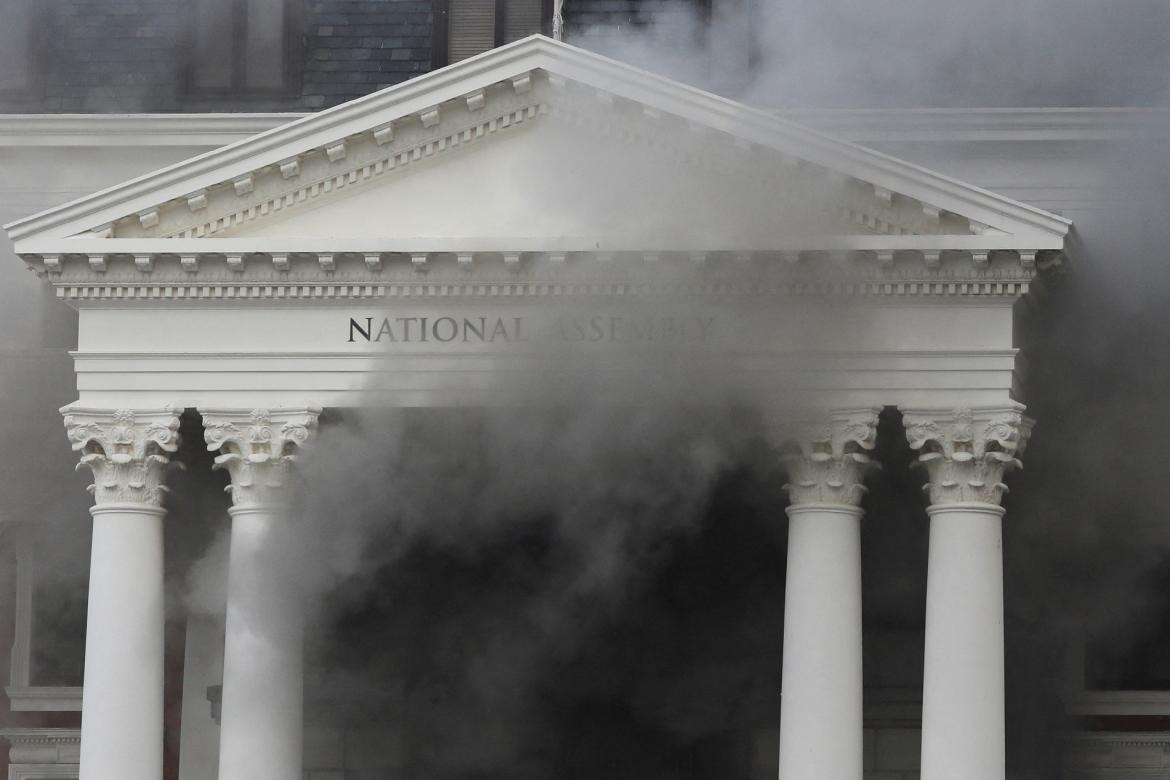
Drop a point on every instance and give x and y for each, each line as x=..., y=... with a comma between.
x=427, y=244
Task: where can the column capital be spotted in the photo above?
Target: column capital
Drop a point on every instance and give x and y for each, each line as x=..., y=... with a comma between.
x=966, y=452
x=258, y=447
x=126, y=449
x=826, y=454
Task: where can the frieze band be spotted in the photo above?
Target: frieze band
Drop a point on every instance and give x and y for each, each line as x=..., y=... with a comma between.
x=493, y=329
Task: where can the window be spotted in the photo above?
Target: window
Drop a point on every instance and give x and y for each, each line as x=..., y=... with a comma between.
x=48, y=638
x=1121, y=669
x=238, y=46
x=17, y=46
x=464, y=28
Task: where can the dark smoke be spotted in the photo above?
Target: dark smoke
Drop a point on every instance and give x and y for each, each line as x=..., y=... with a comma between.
x=569, y=569
x=1085, y=536
x=499, y=549
x=524, y=589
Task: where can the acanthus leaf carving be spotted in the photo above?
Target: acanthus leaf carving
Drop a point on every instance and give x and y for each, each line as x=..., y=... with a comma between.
x=127, y=450
x=966, y=452
x=827, y=457
x=258, y=448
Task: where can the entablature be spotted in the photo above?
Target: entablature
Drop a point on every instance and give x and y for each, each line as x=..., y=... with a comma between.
x=428, y=271
x=517, y=201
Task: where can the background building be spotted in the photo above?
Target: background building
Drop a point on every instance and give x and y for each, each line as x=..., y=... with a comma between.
x=97, y=92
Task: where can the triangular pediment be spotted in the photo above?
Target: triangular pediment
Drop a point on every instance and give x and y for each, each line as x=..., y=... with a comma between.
x=539, y=144
x=548, y=177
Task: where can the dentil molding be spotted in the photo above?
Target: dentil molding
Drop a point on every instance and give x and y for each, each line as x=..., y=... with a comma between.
x=890, y=205
x=1129, y=755
x=42, y=753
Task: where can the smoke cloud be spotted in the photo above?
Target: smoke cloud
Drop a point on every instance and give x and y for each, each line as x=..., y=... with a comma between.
x=507, y=585
x=899, y=53
x=602, y=558
x=1074, y=561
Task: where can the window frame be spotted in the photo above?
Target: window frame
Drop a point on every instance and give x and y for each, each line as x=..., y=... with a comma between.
x=1081, y=700
x=38, y=59
x=24, y=694
x=441, y=29
x=294, y=49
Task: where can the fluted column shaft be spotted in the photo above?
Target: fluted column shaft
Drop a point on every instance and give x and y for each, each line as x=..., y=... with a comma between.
x=122, y=700
x=966, y=453
x=262, y=720
x=821, y=698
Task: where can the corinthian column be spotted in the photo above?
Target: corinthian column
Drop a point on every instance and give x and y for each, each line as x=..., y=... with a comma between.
x=821, y=700
x=122, y=702
x=261, y=720
x=966, y=453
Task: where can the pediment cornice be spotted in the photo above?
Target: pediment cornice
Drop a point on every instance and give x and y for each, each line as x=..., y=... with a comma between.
x=508, y=86
x=509, y=275
x=358, y=159
x=304, y=179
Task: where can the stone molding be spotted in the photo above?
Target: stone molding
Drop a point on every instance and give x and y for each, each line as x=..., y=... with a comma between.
x=1144, y=703
x=827, y=457
x=258, y=448
x=304, y=177
x=136, y=130
x=44, y=698
x=81, y=294
x=1093, y=755
x=435, y=271
x=966, y=452
x=336, y=177
x=191, y=262
x=43, y=753
x=948, y=125
x=523, y=71
x=43, y=771
x=858, y=125
x=126, y=449
x=903, y=231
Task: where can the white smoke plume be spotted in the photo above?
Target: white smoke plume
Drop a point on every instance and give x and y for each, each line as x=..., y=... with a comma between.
x=484, y=557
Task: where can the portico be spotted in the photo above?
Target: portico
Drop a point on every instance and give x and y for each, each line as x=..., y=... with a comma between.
x=425, y=245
